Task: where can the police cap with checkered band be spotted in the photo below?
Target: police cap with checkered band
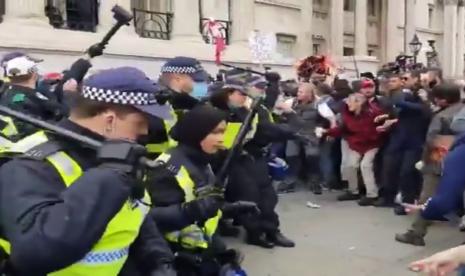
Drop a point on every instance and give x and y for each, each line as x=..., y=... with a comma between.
x=125, y=86
x=187, y=66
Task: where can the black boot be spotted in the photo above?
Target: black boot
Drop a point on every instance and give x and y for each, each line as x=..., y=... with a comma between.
x=399, y=210
x=367, y=201
x=348, y=196
x=384, y=202
x=259, y=240
x=316, y=188
x=410, y=237
x=279, y=239
x=225, y=229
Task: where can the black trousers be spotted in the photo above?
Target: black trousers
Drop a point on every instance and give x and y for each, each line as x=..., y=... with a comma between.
x=208, y=262
x=249, y=180
x=400, y=174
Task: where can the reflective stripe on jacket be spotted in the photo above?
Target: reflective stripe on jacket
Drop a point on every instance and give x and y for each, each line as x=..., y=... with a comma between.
x=109, y=254
x=192, y=236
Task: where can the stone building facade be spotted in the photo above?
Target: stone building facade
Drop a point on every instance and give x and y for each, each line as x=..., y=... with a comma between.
x=358, y=34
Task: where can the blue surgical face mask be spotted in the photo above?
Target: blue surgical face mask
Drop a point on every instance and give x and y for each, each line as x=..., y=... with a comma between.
x=200, y=90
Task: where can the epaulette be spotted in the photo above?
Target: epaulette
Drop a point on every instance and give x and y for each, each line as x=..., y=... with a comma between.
x=42, y=151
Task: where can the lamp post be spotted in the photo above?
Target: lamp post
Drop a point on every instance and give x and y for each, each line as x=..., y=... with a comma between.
x=415, y=47
x=432, y=55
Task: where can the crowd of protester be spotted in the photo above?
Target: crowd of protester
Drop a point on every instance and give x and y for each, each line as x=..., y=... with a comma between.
x=384, y=140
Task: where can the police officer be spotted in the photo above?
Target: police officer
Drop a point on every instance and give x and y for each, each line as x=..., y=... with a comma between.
x=71, y=210
x=188, y=217
x=182, y=76
x=21, y=94
x=248, y=175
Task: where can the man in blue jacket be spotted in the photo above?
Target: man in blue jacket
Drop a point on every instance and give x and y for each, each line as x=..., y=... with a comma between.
x=449, y=195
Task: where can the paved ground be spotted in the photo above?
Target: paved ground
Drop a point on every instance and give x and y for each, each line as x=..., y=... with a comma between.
x=341, y=238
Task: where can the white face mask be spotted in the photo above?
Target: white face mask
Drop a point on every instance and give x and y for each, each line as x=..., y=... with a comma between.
x=256, y=93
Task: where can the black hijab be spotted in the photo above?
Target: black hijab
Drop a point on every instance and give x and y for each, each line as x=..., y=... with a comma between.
x=196, y=124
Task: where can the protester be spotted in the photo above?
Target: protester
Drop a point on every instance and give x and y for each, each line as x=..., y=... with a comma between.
x=405, y=145
x=303, y=158
x=325, y=96
x=363, y=138
x=439, y=137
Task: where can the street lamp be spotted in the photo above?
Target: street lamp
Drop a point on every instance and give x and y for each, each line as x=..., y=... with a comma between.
x=415, y=47
x=432, y=55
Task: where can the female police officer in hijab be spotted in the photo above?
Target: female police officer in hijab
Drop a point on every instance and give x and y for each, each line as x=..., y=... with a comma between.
x=188, y=218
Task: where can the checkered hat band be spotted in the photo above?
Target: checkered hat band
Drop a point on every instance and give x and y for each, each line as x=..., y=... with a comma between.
x=179, y=70
x=116, y=97
x=105, y=257
x=234, y=86
x=253, y=82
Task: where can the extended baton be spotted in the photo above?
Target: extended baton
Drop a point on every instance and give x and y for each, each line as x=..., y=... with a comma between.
x=64, y=132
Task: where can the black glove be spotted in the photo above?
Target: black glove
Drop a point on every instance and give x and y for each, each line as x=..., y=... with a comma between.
x=210, y=190
x=124, y=157
x=202, y=209
x=302, y=139
x=164, y=270
x=95, y=50
x=272, y=77
x=241, y=207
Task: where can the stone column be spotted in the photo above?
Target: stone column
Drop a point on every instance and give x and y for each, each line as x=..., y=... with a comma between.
x=361, y=22
x=336, y=42
x=391, y=36
x=186, y=21
x=305, y=38
x=459, y=65
x=450, y=37
x=243, y=20
x=25, y=11
x=410, y=23
x=106, y=19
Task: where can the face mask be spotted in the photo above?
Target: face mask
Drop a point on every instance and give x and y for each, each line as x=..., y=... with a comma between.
x=234, y=106
x=256, y=93
x=200, y=90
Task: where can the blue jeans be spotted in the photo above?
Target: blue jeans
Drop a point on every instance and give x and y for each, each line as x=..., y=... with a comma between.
x=326, y=162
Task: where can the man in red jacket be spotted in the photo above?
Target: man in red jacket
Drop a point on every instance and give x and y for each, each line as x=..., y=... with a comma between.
x=363, y=137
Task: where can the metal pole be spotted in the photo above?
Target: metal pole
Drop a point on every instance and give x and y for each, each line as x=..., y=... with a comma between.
x=405, y=27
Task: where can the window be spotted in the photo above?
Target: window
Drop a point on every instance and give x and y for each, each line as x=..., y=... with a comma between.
x=316, y=49
x=348, y=5
x=370, y=52
x=286, y=45
x=348, y=51
x=152, y=18
x=152, y=5
x=72, y=14
x=430, y=16
x=372, y=7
